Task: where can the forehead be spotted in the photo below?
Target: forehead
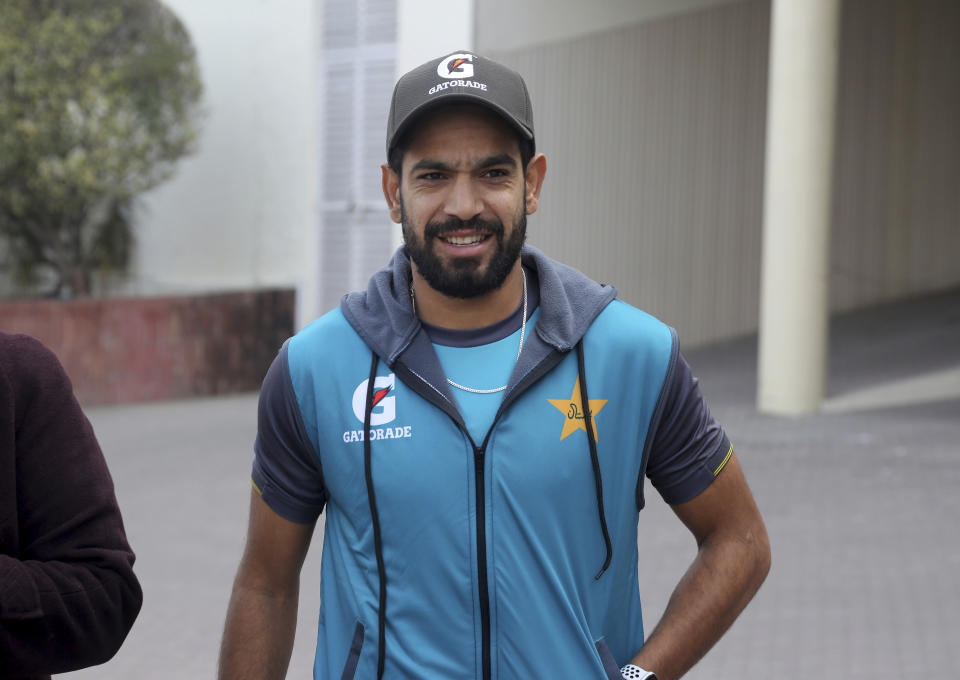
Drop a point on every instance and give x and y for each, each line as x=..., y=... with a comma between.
x=458, y=131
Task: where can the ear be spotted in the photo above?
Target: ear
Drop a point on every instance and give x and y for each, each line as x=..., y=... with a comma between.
x=536, y=171
x=391, y=192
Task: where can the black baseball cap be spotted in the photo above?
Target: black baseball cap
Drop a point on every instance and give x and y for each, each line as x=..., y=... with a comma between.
x=460, y=77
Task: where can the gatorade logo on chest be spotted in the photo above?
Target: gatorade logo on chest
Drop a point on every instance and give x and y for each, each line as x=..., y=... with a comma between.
x=384, y=411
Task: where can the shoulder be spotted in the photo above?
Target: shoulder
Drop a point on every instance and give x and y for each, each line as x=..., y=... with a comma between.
x=626, y=327
x=323, y=334
x=19, y=350
x=326, y=339
x=29, y=366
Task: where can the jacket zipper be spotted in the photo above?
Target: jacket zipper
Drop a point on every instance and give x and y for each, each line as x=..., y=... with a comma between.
x=478, y=454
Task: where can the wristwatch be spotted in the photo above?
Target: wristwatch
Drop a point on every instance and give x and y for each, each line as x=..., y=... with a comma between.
x=631, y=672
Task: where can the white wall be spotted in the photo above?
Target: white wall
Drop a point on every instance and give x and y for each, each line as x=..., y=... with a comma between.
x=430, y=28
x=896, y=216
x=654, y=133
x=242, y=211
x=654, y=136
x=513, y=24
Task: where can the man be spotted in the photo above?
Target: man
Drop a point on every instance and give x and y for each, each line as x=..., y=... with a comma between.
x=68, y=594
x=481, y=501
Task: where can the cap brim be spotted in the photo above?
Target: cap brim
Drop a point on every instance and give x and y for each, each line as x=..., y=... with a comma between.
x=457, y=98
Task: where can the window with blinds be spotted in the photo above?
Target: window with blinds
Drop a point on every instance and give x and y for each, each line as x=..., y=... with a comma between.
x=358, y=56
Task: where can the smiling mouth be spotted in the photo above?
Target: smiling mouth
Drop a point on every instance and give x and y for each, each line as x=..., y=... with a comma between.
x=468, y=240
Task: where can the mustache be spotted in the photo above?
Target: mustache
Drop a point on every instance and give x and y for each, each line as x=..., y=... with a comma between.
x=435, y=229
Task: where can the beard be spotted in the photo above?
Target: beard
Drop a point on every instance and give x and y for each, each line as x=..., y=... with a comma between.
x=463, y=278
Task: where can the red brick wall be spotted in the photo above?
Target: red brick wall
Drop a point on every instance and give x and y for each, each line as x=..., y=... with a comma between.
x=136, y=349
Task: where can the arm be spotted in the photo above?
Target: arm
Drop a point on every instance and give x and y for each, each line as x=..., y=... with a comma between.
x=262, y=616
x=68, y=594
x=287, y=498
x=732, y=560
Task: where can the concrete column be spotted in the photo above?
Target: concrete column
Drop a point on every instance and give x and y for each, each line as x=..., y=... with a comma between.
x=796, y=218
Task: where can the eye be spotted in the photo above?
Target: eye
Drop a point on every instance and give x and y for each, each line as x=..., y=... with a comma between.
x=431, y=176
x=496, y=173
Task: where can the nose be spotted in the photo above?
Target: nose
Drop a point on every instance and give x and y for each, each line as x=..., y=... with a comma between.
x=463, y=199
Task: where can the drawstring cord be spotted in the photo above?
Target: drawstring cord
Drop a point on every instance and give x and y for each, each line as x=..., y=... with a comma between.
x=377, y=545
x=594, y=458
x=371, y=495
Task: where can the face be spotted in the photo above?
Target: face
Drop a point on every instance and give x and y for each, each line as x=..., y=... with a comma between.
x=462, y=274
x=462, y=200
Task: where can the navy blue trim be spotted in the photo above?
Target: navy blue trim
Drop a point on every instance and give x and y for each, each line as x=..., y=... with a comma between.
x=420, y=353
x=474, y=337
x=430, y=392
x=688, y=441
x=353, y=656
x=383, y=315
x=610, y=666
x=285, y=456
x=291, y=395
x=657, y=413
x=530, y=365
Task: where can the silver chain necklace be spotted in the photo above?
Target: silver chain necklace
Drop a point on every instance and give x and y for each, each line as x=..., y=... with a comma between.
x=523, y=330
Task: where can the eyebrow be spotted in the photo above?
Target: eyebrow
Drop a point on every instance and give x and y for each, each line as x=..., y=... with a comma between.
x=485, y=162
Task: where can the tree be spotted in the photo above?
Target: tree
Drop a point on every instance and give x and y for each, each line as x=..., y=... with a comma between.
x=98, y=100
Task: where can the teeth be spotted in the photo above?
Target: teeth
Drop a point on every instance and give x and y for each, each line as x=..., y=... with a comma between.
x=462, y=240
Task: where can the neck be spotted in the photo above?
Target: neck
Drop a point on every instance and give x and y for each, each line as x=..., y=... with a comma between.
x=465, y=313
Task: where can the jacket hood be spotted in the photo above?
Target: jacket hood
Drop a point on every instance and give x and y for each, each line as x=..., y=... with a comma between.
x=383, y=314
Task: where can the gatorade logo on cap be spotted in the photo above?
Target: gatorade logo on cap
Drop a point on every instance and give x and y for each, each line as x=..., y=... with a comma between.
x=460, y=76
x=456, y=66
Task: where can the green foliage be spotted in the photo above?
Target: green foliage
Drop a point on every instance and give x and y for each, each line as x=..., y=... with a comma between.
x=98, y=99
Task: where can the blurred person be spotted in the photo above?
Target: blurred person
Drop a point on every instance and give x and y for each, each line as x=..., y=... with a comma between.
x=478, y=424
x=68, y=594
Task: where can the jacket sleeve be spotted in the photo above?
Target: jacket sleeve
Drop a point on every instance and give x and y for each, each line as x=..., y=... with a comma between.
x=68, y=594
x=690, y=447
x=286, y=468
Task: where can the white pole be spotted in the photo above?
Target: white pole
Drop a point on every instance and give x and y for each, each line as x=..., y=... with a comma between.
x=796, y=219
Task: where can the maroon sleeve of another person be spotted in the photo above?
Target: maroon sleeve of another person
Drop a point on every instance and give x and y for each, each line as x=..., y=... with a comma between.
x=68, y=594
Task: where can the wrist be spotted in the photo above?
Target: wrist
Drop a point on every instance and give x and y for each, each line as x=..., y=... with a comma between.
x=633, y=672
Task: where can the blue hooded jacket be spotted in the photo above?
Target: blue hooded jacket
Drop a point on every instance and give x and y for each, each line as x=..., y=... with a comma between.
x=450, y=558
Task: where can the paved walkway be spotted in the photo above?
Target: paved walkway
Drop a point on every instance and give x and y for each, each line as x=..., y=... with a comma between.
x=861, y=503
